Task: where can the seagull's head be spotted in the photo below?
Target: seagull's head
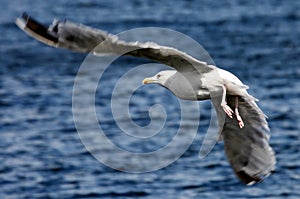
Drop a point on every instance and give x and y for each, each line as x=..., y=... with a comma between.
x=160, y=78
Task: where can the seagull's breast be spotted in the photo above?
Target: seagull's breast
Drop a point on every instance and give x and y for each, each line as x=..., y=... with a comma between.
x=191, y=94
x=187, y=87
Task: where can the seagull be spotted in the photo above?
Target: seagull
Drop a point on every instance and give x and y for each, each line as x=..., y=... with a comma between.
x=242, y=125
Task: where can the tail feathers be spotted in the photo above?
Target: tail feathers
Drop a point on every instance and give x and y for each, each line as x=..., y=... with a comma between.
x=251, y=98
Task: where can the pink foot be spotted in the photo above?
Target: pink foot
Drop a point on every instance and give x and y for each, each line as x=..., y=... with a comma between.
x=239, y=119
x=227, y=110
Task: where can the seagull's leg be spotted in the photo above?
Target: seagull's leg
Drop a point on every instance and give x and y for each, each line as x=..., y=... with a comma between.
x=237, y=114
x=224, y=105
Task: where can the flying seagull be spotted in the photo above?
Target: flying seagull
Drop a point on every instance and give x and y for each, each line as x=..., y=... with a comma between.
x=242, y=124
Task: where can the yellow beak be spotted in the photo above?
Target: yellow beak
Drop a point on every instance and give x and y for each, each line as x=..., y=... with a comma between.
x=148, y=80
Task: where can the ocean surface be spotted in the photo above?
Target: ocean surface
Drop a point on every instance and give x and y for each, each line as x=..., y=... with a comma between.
x=43, y=156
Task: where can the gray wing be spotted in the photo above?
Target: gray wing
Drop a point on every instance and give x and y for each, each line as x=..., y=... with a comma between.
x=247, y=149
x=84, y=39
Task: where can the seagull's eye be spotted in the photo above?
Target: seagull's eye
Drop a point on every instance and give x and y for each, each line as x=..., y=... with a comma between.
x=158, y=76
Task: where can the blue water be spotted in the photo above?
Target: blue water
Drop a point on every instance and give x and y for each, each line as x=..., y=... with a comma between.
x=41, y=153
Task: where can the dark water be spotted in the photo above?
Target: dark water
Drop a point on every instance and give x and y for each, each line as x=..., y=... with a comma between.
x=41, y=153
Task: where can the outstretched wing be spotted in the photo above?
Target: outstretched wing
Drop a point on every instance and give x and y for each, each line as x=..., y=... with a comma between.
x=84, y=39
x=247, y=148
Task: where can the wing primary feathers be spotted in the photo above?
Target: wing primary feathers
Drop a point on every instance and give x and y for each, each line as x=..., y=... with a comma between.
x=33, y=27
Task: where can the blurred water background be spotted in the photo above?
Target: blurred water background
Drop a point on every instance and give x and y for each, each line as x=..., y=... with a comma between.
x=41, y=153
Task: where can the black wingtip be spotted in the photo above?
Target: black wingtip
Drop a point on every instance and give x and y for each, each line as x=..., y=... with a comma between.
x=247, y=179
x=36, y=29
x=25, y=16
